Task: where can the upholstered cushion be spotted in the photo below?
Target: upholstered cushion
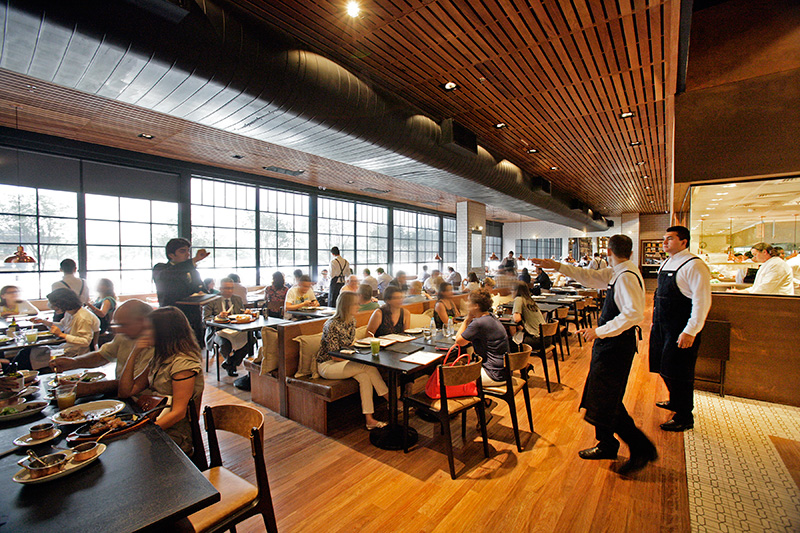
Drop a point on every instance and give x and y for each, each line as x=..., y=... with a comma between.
x=309, y=348
x=517, y=383
x=330, y=389
x=419, y=321
x=500, y=300
x=361, y=332
x=453, y=404
x=268, y=353
x=235, y=493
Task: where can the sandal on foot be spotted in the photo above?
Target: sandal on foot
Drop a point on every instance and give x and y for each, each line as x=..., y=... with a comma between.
x=377, y=425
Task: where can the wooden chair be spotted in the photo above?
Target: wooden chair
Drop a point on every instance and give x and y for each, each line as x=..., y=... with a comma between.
x=444, y=408
x=548, y=331
x=515, y=361
x=239, y=498
x=213, y=348
x=578, y=317
x=563, y=329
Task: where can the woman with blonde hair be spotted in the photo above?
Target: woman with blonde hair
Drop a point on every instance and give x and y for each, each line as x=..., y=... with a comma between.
x=340, y=332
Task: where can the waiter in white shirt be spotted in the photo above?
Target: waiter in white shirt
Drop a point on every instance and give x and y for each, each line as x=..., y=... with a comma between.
x=598, y=262
x=615, y=345
x=340, y=271
x=680, y=307
x=774, y=275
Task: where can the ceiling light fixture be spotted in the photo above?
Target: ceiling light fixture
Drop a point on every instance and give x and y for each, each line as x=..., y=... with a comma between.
x=646, y=187
x=350, y=181
x=146, y=136
x=640, y=163
x=532, y=151
x=645, y=177
x=627, y=114
x=237, y=156
x=450, y=86
x=635, y=143
x=501, y=125
x=353, y=9
x=553, y=168
x=721, y=194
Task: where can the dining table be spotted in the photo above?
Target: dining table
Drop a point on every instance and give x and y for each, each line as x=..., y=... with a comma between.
x=313, y=312
x=24, y=323
x=399, y=373
x=131, y=487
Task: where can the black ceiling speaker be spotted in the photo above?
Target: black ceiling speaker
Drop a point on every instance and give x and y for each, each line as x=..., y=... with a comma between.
x=458, y=138
x=539, y=184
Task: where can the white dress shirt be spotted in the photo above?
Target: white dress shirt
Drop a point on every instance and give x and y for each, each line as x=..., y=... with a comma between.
x=628, y=293
x=78, y=286
x=454, y=278
x=372, y=282
x=774, y=277
x=694, y=282
x=794, y=264
x=383, y=281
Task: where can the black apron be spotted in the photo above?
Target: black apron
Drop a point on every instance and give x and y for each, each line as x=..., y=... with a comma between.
x=671, y=313
x=612, y=358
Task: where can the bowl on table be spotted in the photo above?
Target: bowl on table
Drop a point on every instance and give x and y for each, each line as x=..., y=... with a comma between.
x=53, y=463
x=42, y=431
x=9, y=398
x=85, y=451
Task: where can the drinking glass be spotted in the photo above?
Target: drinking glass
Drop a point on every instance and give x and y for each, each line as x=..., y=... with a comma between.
x=31, y=335
x=65, y=395
x=375, y=345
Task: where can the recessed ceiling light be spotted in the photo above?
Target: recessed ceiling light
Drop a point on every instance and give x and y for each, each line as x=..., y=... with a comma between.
x=353, y=9
x=237, y=156
x=532, y=151
x=501, y=125
x=645, y=177
x=146, y=136
x=553, y=168
x=450, y=86
x=627, y=114
x=721, y=193
x=351, y=181
x=640, y=163
x=646, y=187
x=652, y=201
x=635, y=143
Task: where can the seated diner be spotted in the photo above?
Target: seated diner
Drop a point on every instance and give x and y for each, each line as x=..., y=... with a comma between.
x=487, y=336
x=391, y=318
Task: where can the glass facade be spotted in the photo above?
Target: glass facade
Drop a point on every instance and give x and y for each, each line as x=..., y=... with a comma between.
x=541, y=248
x=284, y=226
x=449, y=240
x=125, y=237
x=45, y=222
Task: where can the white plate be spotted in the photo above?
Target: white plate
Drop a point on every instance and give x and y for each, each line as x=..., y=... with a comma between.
x=23, y=477
x=27, y=440
x=414, y=331
x=27, y=391
x=88, y=377
x=31, y=408
x=95, y=410
x=29, y=375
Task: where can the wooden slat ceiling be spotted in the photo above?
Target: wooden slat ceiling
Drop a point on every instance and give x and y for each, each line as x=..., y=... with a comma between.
x=33, y=105
x=557, y=72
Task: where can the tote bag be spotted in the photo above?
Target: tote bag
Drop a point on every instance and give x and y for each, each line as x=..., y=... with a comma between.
x=433, y=390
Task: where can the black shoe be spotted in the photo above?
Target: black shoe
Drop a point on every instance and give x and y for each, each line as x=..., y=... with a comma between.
x=664, y=405
x=243, y=383
x=638, y=461
x=676, y=425
x=597, y=453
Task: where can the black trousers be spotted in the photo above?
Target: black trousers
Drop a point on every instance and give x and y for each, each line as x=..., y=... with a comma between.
x=333, y=293
x=681, y=398
x=233, y=359
x=625, y=427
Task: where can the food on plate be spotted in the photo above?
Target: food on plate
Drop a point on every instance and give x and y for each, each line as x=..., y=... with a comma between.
x=75, y=414
x=105, y=424
x=10, y=411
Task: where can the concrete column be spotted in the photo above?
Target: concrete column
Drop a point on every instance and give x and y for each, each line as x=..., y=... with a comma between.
x=630, y=227
x=469, y=216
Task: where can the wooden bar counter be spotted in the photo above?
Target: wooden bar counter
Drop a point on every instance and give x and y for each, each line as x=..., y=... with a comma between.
x=764, y=347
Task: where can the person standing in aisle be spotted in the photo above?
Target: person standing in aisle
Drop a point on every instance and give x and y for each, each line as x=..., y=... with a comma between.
x=598, y=262
x=614, y=348
x=340, y=270
x=680, y=307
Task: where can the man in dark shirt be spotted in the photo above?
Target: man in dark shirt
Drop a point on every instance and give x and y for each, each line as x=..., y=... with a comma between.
x=543, y=279
x=178, y=279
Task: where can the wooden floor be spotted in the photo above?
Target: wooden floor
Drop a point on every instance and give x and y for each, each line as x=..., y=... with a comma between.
x=343, y=483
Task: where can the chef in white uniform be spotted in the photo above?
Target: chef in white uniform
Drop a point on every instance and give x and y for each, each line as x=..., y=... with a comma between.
x=774, y=276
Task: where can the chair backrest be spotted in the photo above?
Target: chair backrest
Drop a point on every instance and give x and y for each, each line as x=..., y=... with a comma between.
x=244, y=421
x=562, y=312
x=460, y=375
x=548, y=329
x=590, y=302
x=521, y=359
x=198, y=448
x=579, y=305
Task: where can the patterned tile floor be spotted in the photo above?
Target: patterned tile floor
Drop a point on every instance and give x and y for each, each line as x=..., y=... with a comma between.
x=737, y=480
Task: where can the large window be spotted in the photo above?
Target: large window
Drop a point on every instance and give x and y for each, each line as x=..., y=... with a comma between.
x=494, y=245
x=284, y=220
x=125, y=237
x=541, y=248
x=45, y=222
x=336, y=227
x=416, y=241
x=449, y=240
x=224, y=223
x=372, y=237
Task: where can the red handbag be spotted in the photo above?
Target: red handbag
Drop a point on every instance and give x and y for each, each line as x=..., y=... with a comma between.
x=433, y=390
